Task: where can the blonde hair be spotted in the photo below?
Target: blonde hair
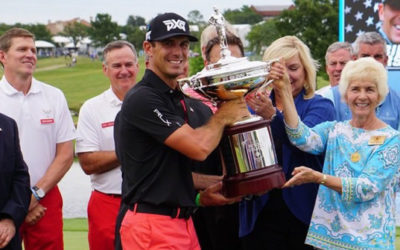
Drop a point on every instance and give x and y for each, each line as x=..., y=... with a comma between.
x=366, y=68
x=289, y=46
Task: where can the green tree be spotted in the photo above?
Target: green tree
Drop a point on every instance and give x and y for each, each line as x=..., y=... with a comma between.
x=195, y=17
x=261, y=35
x=315, y=22
x=134, y=29
x=196, y=64
x=245, y=15
x=3, y=28
x=135, y=21
x=135, y=35
x=103, y=30
x=77, y=31
x=39, y=30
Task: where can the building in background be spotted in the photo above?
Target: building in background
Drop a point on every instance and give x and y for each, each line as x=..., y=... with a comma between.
x=59, y=26
x=271, y=11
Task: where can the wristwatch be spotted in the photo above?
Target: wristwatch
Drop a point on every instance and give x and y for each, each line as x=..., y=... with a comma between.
x=38, y=193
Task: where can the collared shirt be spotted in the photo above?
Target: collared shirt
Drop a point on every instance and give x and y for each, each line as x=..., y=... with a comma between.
x=325, y=92
x=393, y=50
x=388, y=111
x=43, y=120
x=362, y=216
x=153, y=172
x=95, y=132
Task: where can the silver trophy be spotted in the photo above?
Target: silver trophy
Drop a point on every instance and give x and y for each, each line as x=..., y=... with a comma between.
x=230, y=77
x=249, y=158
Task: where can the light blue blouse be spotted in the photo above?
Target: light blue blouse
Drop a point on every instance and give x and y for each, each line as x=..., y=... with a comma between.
x=363, y=216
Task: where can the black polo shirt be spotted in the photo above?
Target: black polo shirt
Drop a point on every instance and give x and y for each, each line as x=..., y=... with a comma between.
x=152, y=172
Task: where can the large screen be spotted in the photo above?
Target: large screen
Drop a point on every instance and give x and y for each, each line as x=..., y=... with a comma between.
x=359, y=16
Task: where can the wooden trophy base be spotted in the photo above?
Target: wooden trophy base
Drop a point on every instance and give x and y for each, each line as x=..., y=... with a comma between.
x=255, y=182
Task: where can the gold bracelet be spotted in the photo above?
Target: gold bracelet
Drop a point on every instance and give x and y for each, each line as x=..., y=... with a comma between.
x=324, y=177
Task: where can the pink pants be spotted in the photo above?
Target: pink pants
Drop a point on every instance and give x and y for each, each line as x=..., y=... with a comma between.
x=153, y=231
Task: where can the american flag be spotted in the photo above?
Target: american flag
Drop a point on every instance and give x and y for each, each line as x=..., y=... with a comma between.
x=360, y=16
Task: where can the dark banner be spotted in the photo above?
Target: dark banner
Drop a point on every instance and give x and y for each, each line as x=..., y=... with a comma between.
x=359, y=16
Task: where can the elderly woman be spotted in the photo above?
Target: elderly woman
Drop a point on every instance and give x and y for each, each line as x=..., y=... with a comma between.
x=280, y=218
x=355, y=203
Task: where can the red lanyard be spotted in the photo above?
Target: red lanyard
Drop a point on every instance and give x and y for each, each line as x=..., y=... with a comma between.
x=184, y=109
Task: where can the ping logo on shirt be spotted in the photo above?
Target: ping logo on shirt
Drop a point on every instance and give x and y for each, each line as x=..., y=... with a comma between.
x=107, y=124
x=174, y=24
x=161, y=117
x=47, y=121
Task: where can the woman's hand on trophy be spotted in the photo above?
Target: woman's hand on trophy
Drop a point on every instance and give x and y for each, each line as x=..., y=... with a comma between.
x=233, y=111
x=303, y=175
x=279, y=75
x=262, y=105
x=212, y=196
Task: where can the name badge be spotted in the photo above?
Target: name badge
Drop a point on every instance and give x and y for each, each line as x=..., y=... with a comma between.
x=46, y=121
x=376, y=140
x=107, y=124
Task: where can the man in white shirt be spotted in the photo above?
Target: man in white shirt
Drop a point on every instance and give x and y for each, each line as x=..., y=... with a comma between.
x=95, y=143
x=46, y=132
x=336, y=57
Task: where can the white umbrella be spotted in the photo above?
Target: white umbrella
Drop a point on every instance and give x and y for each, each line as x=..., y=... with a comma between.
x=44, y=44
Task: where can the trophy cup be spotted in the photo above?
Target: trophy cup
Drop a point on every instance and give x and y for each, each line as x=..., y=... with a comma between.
x=248, y=154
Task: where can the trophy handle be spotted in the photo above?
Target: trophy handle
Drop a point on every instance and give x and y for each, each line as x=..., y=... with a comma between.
x=263, y=86
x=185, y=86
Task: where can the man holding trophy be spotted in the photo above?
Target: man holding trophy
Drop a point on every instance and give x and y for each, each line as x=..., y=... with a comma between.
x=161, y=134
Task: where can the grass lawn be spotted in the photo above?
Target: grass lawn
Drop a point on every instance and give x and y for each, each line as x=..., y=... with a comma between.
x=397, y=246
x=78, y=83
x=321, y=82
x=75, y=235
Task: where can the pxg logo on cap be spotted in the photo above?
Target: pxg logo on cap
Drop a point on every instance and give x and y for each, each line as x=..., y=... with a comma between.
x=168, y=25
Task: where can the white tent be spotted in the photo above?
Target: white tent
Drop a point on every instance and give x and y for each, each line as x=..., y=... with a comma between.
x=44, y=48
x=44, y=44
x=61, y=39
x=86, y=40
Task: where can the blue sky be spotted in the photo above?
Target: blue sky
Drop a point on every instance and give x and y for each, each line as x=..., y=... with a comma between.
x=41, y=11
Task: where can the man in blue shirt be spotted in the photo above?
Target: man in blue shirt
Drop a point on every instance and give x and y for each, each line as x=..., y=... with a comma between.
x=372, y=44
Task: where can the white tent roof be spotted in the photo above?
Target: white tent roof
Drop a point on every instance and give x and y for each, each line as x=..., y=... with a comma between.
x=86, y=40
x=44, y=44
x=61, y=39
